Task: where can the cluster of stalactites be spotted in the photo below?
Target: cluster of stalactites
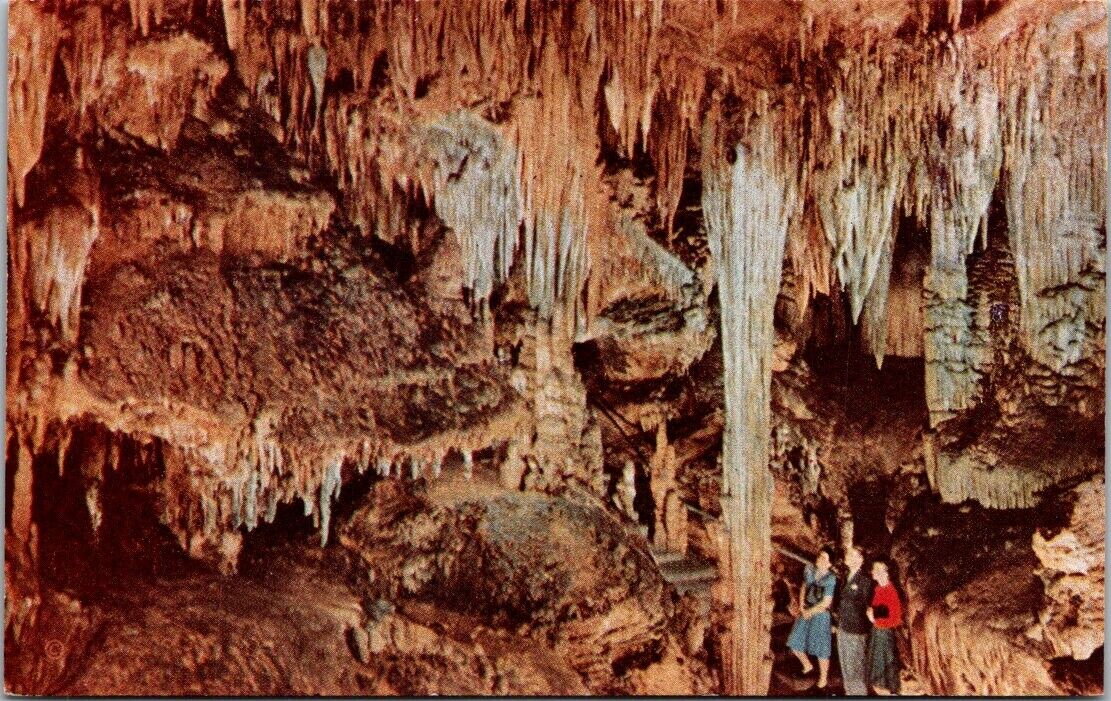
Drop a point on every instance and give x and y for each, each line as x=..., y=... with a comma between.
x=49, y=254
x=441, y=56
x=559, y=182
x=962, y=164
x=861, y=167
x=473, y=187
x=678, y=105
x=926, y=132
x=748, y=205
x=1054, y=140
x=34, y=36
x=222, y=487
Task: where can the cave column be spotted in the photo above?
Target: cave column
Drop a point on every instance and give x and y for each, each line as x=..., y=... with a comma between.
x=951, y=374
x=963, y=172
x=747, y=204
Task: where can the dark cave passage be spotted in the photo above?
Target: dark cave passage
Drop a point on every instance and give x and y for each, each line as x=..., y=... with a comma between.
x=113, y=480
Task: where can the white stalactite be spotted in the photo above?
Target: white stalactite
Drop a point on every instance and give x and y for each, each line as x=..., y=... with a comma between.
x=474, y=190
x=963, y=162
x=329, y=490
x=1055, y=135
x=34, y=36
x=875, y=306
x=862, y=170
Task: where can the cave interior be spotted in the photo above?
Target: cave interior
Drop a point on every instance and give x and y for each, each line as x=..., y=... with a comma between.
x=475, y=347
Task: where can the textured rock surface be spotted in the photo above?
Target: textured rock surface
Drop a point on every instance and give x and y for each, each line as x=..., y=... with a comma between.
x=558, y=573
x=992, y=601
x=1072, y=571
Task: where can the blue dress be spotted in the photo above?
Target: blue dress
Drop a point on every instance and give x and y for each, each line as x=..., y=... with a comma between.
x=813, y=636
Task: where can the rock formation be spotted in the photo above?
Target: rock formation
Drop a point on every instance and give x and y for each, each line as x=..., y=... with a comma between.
x=569, y=325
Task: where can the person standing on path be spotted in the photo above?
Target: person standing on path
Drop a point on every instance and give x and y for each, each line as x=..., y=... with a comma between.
x=811, y=634
x=886, y=613
x=853, y=625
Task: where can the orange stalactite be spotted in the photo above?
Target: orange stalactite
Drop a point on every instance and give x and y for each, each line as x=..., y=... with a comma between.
x=33, y=38
x=145, y=14
x=678, y=105
x=235, y=21
x=83, y=56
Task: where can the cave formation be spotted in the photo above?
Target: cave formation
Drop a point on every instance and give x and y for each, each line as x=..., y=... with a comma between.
x=521, y=347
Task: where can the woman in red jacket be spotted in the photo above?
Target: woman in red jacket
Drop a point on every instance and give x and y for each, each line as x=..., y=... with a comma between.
x=886, y=614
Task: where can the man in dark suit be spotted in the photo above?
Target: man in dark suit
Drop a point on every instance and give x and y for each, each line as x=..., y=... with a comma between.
x=853, y=625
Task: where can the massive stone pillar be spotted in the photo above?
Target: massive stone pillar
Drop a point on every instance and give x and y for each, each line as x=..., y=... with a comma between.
x=964, y=168
x=747, y=204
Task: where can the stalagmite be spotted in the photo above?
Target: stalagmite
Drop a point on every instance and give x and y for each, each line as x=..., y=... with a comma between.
x=748, y=205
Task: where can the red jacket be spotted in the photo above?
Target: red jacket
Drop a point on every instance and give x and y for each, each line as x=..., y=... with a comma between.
x=887, y=596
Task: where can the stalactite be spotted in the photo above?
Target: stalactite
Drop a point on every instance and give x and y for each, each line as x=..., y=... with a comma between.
x=862, y=167
x=678, y=105
x=317, y=59
x=630, y=32
x=329, y=490
x=235, y=22
x=810, y=260
x=83, y=56
x=963, y=161
x=468, y=465
x=747, y=206
x=876, y=306
x=49, y=256
x=145, y=14
x=314, y=17
x=1054, y=135
x=558, y=182
x=474, y=188
x=33, y=39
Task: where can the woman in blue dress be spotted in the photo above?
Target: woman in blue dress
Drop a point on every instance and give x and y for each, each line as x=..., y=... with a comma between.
x=811, y=634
